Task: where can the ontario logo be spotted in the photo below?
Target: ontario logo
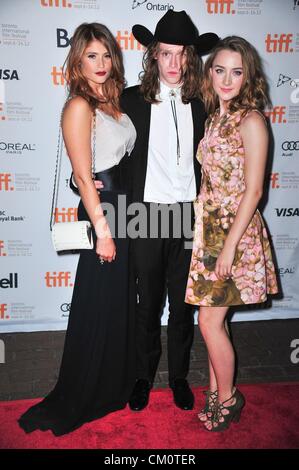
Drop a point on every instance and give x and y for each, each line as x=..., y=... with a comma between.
x=283, y=79
x=152, y=6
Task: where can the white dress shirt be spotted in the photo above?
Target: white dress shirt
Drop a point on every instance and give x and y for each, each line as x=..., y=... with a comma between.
x=169, y=180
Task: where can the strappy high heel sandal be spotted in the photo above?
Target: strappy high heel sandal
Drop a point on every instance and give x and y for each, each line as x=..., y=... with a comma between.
x=207, y=411
x=221, y=421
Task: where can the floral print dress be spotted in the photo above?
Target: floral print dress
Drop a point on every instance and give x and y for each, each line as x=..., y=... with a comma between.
x=222, y=156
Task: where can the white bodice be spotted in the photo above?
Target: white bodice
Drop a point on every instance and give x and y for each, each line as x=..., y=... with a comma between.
x=113, y=139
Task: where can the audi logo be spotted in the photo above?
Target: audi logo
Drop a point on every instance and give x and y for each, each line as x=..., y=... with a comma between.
x=290, y=145
x=65, y=307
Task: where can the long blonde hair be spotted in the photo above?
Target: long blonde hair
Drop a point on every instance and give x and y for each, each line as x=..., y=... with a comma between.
x=254, y=90
x=77, y=83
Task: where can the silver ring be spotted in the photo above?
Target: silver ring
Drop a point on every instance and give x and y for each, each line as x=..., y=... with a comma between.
x=102, y=261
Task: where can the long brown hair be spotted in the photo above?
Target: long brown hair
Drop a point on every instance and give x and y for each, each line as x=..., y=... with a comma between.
x=191, y=78
x=77, y=83
x=254, y=90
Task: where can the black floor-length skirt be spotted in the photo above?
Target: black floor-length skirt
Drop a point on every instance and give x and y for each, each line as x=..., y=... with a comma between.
x=97, y=371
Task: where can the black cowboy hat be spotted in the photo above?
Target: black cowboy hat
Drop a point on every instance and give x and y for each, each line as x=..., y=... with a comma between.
x=176, y=27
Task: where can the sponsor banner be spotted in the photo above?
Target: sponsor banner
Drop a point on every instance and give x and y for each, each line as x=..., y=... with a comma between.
x=35, y=282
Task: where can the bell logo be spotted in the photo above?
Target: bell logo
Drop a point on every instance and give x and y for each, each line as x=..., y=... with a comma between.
x=57, y=76
x=220, y=6
x=276, y=114
x=11, y=282
x=5, y=180
x=2, y=248
x=279, y=43
x=3, y=310
x=274, y=178
x=62, y=38
x=56, y=3
x=127, y=41
x=58, y=279
x=66, y=215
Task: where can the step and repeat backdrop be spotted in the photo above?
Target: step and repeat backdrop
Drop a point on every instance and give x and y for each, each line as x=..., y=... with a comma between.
x=35, y=282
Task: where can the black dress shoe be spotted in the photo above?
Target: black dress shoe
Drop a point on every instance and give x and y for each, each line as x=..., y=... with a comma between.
x=182, y=394
x=140, y=395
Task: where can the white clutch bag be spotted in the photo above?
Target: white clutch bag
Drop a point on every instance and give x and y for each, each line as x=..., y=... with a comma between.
x=72, y=236
x=69, y=235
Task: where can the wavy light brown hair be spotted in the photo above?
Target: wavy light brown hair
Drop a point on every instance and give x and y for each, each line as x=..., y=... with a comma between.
x=77, y=83
x=254, y=90
x=191, y=78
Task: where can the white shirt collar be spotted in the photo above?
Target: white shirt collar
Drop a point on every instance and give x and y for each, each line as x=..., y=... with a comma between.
x=166, y=92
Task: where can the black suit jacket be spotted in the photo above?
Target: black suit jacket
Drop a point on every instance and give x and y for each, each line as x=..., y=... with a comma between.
x=139, y=111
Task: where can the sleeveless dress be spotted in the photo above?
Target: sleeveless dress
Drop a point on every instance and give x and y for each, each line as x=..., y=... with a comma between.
x=97, y=372
x=222, y=156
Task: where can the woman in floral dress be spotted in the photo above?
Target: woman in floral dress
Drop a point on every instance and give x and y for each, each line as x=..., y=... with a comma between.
x=231, y=261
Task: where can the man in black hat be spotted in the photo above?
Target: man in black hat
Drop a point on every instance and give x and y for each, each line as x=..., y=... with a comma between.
x=165, y=176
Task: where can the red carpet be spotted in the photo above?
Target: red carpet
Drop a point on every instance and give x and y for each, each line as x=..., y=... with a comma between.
x=269, y=421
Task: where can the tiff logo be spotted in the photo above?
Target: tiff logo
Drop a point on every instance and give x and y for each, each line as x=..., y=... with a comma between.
x=60, y=279
x=3, y=310
x=274, y=178
x=220, y=6
x=2, y=352
x=57, y=76
x=66, y=215
x=276, y=114
x=2, y=117
x=273, y=44
x=5, y=180
x=2, y=248
x=2, y=99
x=126, y=41
x=56, y=3
x=295, y=354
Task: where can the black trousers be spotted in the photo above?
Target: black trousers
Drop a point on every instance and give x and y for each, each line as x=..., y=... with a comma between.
x=161, y=264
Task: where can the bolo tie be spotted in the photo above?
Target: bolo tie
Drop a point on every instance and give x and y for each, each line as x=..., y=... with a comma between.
x=172, y=95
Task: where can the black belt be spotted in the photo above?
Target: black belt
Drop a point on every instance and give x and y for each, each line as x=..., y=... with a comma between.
x=110, y=178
